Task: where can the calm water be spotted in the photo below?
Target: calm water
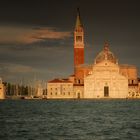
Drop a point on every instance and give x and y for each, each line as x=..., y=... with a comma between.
x=70, y=120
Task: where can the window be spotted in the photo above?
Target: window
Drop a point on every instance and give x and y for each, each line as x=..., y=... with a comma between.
x=51, y=93
x=79, y=38
x=79, y=81
x=106, y=91
x=55, y=93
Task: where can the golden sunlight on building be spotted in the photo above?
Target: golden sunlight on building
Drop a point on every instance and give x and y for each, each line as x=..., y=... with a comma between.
x=60, y=88
x=105, y=78
x=2, y=90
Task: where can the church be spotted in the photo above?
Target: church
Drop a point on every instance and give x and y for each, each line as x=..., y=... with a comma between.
x=105, y=78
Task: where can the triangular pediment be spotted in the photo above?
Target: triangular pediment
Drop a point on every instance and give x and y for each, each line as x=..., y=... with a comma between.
x=105, y=63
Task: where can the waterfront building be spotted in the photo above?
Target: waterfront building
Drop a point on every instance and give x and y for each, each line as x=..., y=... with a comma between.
x=105, y=78
x=60, y=88
x=2, y=90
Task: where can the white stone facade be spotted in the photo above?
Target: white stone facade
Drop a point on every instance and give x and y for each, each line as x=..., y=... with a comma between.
x=2, y=90
x=78, y=91
x=59, y=89
x=105, y=82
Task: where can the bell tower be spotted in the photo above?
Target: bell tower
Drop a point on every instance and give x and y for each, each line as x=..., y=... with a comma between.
x=78, y=42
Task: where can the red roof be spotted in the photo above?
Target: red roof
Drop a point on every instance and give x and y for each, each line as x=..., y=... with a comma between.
x=78, y=84
x=72, y=75
x=60, y=81
x=133, y=85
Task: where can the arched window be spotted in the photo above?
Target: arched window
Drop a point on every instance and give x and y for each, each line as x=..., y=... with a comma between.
x=78, y=38
x=79, y=81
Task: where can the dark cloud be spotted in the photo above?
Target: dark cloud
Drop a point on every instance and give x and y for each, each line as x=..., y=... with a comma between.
x=28, y=35
x=43, y=30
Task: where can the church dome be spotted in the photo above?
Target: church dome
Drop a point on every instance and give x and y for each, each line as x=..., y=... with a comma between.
x=106, y=54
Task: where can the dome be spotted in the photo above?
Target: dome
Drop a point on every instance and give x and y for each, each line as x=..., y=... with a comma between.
x=106, y=54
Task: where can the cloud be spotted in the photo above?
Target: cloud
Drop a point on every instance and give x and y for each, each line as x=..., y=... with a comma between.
x=50, y=34
x=20, y=69
x=15, y=68
x=13, y=72
x=28, y=35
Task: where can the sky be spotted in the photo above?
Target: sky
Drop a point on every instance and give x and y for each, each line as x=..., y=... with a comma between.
x=36, y=36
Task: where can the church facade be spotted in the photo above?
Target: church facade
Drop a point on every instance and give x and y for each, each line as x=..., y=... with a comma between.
x=105, y=78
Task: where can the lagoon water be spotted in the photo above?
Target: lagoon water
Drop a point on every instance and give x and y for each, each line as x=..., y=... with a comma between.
x=70, y=120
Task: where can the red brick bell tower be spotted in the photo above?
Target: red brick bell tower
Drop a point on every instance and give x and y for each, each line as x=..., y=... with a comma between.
x=78, y=42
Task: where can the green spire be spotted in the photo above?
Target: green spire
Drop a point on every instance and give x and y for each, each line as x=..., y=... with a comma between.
x=78, y=19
